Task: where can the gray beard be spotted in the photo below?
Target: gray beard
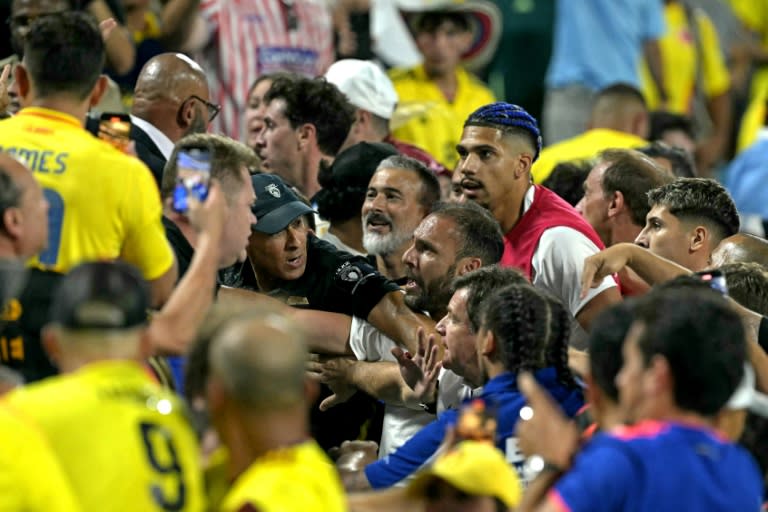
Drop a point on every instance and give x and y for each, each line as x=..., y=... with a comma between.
x=382, y=245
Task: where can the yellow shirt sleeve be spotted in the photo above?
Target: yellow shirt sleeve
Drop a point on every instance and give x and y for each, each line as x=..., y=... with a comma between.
x=716, y=80
x=145, y=244
x=31, y=479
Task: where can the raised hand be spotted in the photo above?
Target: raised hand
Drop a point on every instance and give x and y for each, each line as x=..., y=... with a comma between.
x=420, y=372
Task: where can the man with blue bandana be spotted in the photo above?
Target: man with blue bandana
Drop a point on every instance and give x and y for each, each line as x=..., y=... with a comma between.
x=544, y=237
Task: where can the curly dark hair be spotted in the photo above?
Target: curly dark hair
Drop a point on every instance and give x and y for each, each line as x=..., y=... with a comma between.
x=699, y=200
x=483, y=282
x=317, y=102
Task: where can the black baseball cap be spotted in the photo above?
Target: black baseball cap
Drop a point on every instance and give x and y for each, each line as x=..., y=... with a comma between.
x=101, y=295
x=354, y=167
x=276, y=205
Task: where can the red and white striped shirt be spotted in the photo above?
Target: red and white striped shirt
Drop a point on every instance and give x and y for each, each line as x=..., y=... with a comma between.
x=249, y=38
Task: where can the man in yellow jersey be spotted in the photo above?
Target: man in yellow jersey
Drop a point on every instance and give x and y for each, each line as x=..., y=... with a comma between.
x=619, y=120
x=103, y=204
x=440, y=83
x=31, y=479
x=258, y=400
x=124, y=443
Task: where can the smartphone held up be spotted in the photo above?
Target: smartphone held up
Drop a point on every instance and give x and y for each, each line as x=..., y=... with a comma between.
x=193, y=177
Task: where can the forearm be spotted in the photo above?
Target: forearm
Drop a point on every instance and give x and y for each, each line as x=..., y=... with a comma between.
x=536, y=493
x=395, y=319
x=177, y=20
x=652, y=54
x=381, y=380
x=121, y=53
x=175, y=326
x=651, y=268
x=719, y=109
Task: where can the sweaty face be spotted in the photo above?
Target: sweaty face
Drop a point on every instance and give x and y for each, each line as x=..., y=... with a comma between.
x=460, y=355
x=282, y=256
x=278, y=144
x=254, y=113
x=442, y=48
x=430, y=264
x=239, y=219
x=391, y=210
x=487, y=160
x=666, y=236
x=594, y=206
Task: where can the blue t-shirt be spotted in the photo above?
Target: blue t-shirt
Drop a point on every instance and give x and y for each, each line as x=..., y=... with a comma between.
x=662, y=467
x=745, y=179
x=500, y=392
x=599, y=42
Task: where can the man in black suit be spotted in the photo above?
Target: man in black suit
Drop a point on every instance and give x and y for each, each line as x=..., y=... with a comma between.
x=171, y=100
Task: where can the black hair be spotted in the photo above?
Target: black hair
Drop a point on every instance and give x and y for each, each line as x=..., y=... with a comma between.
x=662, y=122
x=683, y=165
x=606, y=340
x=430, y=186
x=703, y=341
x=317, y=102
x=480, y=233
x=567, y=180
x=431, y=21
x=481, y=283
x=699, y=200
x=64, y=53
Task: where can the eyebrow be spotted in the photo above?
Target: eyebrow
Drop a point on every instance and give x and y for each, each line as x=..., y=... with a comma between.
x=391, y=190
x=423, y=244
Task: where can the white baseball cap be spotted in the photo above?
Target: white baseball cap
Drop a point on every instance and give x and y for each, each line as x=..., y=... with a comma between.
x=365, y=85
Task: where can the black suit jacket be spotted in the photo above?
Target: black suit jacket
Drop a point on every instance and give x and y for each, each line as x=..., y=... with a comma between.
x=148, y=153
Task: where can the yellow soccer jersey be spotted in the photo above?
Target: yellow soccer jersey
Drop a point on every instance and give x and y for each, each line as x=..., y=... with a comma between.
x=30, y=477
x=438, y=130
x=582, y=147
x=123, y=442
x=103, y=204
x=680, y=58
x=299, y=478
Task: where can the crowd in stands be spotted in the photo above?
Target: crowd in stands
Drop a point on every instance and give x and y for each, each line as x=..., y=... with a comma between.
x=428, y=255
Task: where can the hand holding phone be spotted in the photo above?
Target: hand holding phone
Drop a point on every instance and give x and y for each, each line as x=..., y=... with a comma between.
x=193, y=177
x=115, y=128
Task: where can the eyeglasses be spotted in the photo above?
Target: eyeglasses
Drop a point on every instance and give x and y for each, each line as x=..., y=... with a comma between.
x=213, y=109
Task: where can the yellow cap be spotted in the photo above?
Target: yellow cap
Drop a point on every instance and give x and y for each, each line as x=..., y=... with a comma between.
x=476, y=468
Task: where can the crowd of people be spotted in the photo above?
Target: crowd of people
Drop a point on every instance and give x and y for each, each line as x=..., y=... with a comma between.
x=288, y=279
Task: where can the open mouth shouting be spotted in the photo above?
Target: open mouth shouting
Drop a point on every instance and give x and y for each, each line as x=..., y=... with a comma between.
x=378, y=223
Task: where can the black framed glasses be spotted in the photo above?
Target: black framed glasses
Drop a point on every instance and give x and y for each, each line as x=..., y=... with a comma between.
x=213, y=109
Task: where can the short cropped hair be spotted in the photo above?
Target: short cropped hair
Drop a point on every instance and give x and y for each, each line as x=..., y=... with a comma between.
x=748, y=285
x=682, y=164
x=483, y=282
x=699, y=200
x=228, y=158
x=567, y=180
x=64, y=54
x=702, y=340
x=317, y=102
x=621, y=91
x=632, y=174
x=606, y=339
x=480, y=233
x=662, y=122
x=430, y=187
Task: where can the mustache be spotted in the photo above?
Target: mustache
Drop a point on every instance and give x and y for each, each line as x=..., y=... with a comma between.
x=377, y=217
x=470, y=183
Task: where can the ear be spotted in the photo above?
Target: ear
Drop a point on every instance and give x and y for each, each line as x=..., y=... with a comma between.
x=186, y=114
x=51, y=344
x=641, y=125
x=699, y=239
x=307, y=134
x=661, y=375
x=488, y=345
x=467, y=265
x=616, y=204
x=98, y=90
x=21, y=79
x=523, y=166
x=13, y=222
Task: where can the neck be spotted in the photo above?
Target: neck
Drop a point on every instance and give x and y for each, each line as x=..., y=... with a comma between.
x=508, y=213
x=676, y=415
x=309, y=183
x=350, y=232
x=250, y=435
x=622, y=230
x=64, y=105
x=607, y=414
x=391, y=265
x=491, y=370
x=163, y=119
x=9, y=250
x=446, y=82
x=266, y=282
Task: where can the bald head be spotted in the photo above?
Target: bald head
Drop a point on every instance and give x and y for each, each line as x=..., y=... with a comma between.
x=169, y=76
x=621, y=107
x=260, y=362
x=741, y=247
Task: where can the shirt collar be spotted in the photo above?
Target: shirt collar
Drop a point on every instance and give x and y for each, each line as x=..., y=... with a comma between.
x=161, y=140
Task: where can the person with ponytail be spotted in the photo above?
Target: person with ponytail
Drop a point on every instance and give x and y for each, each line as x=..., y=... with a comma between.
x=520, y=329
